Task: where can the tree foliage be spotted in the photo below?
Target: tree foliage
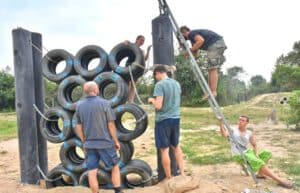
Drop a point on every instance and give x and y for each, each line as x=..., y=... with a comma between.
x=258, y=85
x=7, y=91
x=285, y=78
x=294, y=103
x=230, y=88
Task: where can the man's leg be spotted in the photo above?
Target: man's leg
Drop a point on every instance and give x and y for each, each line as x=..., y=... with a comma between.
x=213, y=80
x=93, y=181
x=115, y=176
x=131, y=94
x=179, y=158
x=166, y=163
x=264, y=170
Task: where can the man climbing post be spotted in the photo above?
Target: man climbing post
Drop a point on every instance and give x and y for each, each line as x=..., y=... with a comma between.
x=214, y=46
x=166, y=101
x=96, y=129
x=256, y=159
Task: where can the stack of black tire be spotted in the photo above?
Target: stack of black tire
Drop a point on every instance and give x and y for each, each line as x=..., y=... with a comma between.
x=72, y=170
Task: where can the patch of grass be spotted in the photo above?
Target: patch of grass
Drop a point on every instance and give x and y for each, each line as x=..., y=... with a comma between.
x=8, y=126
x=205, y=147
x=291, y=167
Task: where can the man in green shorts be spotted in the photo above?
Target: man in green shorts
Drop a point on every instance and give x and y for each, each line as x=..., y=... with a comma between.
x=256, y=159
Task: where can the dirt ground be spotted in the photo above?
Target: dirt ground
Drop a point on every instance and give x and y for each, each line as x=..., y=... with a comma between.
x=211, y=179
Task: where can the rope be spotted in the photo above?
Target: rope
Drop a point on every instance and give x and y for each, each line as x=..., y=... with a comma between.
x=42, y=115
x=45, y=177
x=46, y=105
x=134, y=86
x=41, y=51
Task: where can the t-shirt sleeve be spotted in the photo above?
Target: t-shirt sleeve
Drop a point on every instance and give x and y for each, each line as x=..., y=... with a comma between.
x=78, y=115
x=110, y=113
x=158, y=90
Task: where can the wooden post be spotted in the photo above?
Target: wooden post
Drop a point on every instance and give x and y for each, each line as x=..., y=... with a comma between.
x=36, y=39
x=25, y=98
x=163, y=53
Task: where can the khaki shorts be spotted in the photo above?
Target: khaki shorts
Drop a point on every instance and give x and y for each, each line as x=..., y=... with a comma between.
x=214, y=54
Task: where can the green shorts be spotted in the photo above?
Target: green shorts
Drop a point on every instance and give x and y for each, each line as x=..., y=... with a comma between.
x=255, y=162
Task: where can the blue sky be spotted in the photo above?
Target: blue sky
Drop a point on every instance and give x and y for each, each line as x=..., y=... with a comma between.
x=255, y=31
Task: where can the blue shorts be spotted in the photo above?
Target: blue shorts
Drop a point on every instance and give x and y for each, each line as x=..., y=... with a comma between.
x=167, y=133
x=108, y=156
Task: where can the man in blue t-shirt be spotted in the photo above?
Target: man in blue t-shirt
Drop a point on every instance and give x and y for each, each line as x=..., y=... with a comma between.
x=214, y=46
x=166, y=101
x=97, y=131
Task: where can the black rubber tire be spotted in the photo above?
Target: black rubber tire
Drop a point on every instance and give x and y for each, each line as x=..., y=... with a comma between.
x=87, y=54
x=141, y=118
x=70, y=158
x=64, y=93
x=132, y=168
x=106, y=78
x=51, y=60
x=135, y=60
x=125, y=155
x=104, y=178
x=57, y=174
x=51, y=130
x=142, y=164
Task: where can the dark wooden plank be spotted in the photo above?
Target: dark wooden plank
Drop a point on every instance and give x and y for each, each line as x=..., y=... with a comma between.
x=39, y=98
x=25, y=98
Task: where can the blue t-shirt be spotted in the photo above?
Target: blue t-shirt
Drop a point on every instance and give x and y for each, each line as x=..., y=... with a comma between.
x=170, y=90
x=94, y=113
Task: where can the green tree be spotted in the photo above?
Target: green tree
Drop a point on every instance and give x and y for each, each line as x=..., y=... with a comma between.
x=191, y=90
x=231, y=89
x=285, y=78
x=292, y=58
x=294, y=114
x=50, y=93
x=258, y=85
x=7, y=91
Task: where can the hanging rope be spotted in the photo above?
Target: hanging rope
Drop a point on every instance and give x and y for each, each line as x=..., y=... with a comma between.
x=45, y=177
x=42, y=115
x=41, y=51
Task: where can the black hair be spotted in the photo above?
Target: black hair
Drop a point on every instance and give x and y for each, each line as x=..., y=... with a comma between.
x=160, y=68
x=184, y=28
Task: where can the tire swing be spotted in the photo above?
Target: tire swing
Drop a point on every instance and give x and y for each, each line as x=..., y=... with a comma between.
x=71, y=159
x=59, y=176
x=65, y=92
x=133, y=175
x=104, y=178
x=50, y=127
x=141, y=121
x=83, y=58
x=135, y=59
x=112, y=87
x=50, y=62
